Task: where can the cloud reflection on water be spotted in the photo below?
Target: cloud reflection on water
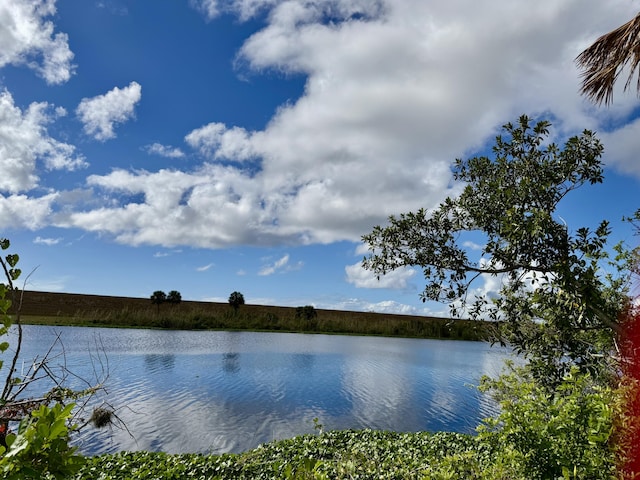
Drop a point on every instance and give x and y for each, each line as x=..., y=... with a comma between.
x=229, y=391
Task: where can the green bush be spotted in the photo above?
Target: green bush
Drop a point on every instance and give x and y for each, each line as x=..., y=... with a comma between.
x=40, y=449
x=565, y=433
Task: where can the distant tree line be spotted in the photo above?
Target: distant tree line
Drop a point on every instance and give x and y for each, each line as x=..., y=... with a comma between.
x=236, y=299
x=159, y=297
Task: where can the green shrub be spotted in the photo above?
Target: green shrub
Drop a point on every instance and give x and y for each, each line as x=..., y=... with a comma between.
x=40, y=449
x=565, y=433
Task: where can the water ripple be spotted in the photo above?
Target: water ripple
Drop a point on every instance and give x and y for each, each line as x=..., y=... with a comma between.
x=229, y=391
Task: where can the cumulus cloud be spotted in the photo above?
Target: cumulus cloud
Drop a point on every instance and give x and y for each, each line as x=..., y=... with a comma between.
x=621, y=147
x=204, y=207
x=99, y=114
x=164, y=150
x=216, y=141
x=397, y=279
x=21, y=211
x=24, y=141
x=395, y=91
x=26, y=38
x=385, y=306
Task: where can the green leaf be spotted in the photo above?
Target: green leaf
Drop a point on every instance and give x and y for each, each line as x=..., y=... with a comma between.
x=14, y=273
x=12, y=259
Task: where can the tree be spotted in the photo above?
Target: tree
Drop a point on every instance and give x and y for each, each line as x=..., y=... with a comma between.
x=604, y=61
x=174, y=297
x=308, y=312
x=158, y=298
x=554, y=304
x=235, y=300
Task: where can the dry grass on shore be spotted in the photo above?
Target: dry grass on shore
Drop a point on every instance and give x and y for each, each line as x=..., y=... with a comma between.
x=95, y=310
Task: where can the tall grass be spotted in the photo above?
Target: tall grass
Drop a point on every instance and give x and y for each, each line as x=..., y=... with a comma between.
x=70, y=309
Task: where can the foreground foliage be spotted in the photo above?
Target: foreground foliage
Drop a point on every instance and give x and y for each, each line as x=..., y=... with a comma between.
x=40, y=448
x=550, y=447
x=337, y=454
x=538, y=435
x=567, y=433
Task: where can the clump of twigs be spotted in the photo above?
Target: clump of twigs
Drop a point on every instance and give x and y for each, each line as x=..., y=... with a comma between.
x=101, y=417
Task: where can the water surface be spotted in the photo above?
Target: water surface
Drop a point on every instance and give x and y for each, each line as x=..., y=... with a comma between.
x=216, y=392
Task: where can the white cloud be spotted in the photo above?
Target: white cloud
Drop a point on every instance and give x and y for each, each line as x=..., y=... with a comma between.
x=209, y=8
x=245, y=9
x=24, y=141
x=471, y=245
x=280, y=265
x=204, y=268
x=385, y=306
x=99, y=114
x=26, y=38
x=216, y=141
x=396, y=279
x=47, y=241
x=164, y=150
x=621, y=147
x=362, y=249
x=20, y=211
x=192, y=202
x=395, y=91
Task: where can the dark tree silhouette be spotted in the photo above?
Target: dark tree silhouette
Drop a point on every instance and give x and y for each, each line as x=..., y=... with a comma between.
x=174, y=297
x=236, y=299
x=158, y=298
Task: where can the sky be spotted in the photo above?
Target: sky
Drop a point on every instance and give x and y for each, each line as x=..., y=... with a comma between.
x=212, y=146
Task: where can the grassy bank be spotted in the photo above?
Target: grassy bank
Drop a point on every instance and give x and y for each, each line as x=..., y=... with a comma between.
x=362, y=454
x=94, y=310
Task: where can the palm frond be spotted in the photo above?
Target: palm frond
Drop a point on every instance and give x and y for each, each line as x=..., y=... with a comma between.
x=603, y=61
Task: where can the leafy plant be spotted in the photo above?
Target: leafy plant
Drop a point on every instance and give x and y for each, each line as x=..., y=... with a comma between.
x=40, y=448
x=562, y=434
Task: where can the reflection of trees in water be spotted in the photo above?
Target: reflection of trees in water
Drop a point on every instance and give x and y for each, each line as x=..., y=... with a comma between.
x=159, y=361
x=231, y=362
x=303, y=361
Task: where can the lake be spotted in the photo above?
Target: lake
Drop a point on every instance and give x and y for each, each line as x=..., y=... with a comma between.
x=217, y=392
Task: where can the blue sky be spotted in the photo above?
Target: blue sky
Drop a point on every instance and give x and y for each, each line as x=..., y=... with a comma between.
x=208, y=146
